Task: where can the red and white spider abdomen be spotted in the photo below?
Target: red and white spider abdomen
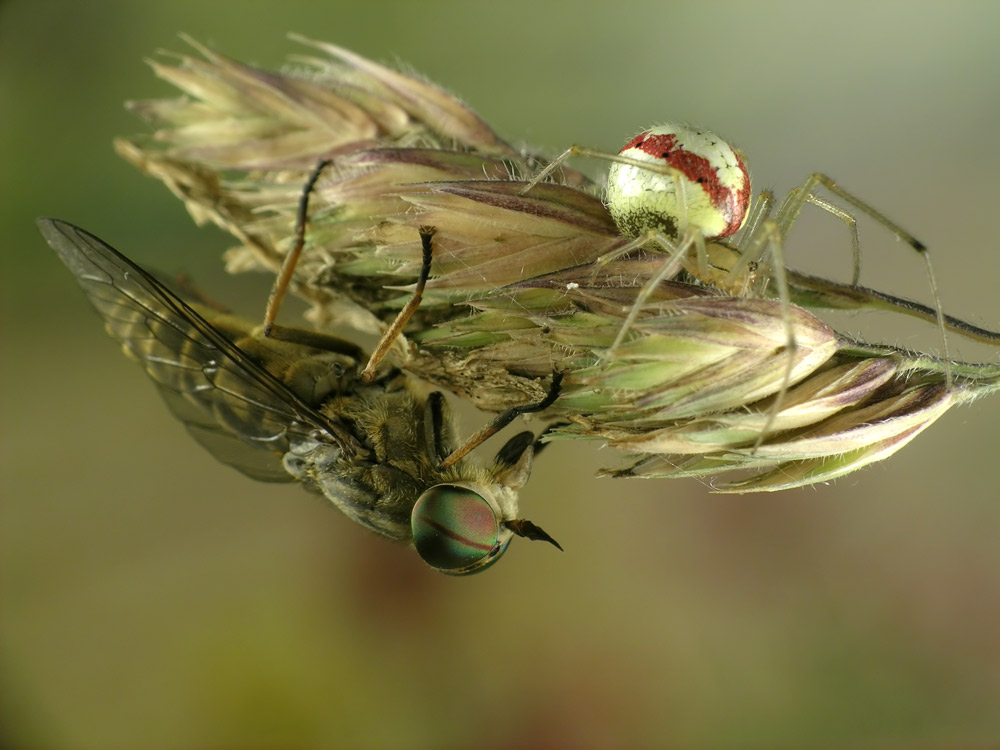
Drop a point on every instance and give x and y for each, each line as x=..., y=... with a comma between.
x=709, y=189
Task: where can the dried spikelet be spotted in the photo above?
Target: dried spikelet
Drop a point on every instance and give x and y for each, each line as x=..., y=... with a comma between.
x=864, y=411
x=519, y=284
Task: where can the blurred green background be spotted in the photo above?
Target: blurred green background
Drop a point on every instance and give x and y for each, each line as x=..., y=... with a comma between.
x=151, y=597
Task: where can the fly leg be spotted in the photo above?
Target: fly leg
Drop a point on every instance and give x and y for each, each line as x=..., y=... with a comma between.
x=502, y=420
x=513, y=460
x=392, y=333
x=284, y=277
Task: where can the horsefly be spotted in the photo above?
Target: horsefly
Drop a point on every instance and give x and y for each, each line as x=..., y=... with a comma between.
x=667, y=305
x=290, y=407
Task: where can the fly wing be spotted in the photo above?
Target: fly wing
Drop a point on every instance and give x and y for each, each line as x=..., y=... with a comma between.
x=233, y=406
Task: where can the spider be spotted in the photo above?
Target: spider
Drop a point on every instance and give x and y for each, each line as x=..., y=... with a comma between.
x=686, y=192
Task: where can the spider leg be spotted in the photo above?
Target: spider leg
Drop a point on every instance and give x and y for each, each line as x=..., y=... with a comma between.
x=767, y=238
x=675, y=262
x=593, y=153
x=793, y=203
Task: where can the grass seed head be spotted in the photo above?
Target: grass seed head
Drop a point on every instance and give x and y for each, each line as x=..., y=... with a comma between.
x=521, y=284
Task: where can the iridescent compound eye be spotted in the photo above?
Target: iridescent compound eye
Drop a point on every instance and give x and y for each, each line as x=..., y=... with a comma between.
x=709, y=191
x=456, y=530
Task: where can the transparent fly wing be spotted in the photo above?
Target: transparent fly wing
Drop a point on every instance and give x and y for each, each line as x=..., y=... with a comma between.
x=229, y=447
x=229, y=402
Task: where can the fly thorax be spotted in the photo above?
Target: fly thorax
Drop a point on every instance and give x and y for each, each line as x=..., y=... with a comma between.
x=321, y=377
